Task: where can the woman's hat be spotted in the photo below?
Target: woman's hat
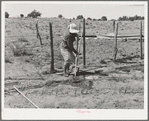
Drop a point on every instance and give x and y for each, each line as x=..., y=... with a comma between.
x=73, y=28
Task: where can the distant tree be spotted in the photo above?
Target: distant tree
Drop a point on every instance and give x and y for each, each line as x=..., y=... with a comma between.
x=131, y=18
x=142, y=17
x=89, y=18
x=29, y=15
x=138, y=18
x=94, y=19
x=99, y=19
x=135, y=17
x=60, y=16
x=21, y=15
x=6, y=15
x=73, y=18
x=104, y=18
x=34, y=14
x=125, y=18
x=80, y=17
x=120, y=19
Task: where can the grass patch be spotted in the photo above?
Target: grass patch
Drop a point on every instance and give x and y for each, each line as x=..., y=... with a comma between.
x=19, y=49
x=7, y=60
x=22, y=39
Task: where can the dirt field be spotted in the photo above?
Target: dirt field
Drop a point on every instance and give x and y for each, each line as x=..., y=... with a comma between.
x=104, y=84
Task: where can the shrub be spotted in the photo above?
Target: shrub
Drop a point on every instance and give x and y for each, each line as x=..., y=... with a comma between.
x=131, y=18
x=18, y=49
x=80, y=17
x=89, y=18
x=60, y=16
x=6, y=15
x=104, y=18
x=120, y=18
x=21, y=15
x=94, y=19
x=142, y=17
x=22, y=39
x=137, y=17
x=34, y=14
x=125, y=18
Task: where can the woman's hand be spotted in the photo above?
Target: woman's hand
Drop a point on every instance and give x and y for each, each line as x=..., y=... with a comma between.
x=79, y=53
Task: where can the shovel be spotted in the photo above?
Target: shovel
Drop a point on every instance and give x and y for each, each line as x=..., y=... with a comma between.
x=77, y=56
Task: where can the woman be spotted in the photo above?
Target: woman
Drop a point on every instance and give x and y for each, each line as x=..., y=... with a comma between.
x=67, y=48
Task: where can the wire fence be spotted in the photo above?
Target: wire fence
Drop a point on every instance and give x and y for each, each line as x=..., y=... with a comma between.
x=101, y=47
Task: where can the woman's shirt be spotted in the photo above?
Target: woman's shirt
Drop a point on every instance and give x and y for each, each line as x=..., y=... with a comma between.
x=68, y=40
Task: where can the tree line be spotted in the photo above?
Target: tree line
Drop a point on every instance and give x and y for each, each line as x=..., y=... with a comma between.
x=35, y=14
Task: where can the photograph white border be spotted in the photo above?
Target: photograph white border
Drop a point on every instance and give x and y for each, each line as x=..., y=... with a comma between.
x=59, y=114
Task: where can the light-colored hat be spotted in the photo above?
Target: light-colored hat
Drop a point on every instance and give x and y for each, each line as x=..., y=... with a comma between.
x=73, y=28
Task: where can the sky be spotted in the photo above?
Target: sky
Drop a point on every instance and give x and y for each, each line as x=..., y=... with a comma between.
x=112, y=10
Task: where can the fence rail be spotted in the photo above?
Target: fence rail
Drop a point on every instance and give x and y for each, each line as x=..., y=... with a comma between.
x=119, y=36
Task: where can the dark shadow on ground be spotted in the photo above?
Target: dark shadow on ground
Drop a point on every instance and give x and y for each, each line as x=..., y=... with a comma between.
x=132, y=67
x=123, y=61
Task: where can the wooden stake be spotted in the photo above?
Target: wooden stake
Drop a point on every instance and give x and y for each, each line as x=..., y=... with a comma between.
x=84, y=42
x=113, y=25
x=115, y=37
x=25, y=97
x=77, y=56
x=141, y=40
x=37, y=28
x=77, y=45
x=38, y=35
x=52, y=52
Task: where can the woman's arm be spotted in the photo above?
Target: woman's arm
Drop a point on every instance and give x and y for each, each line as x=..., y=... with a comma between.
x=70, y=44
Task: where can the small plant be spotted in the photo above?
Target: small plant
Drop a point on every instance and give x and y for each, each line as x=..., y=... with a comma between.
x=6, y=15
x=23, y=39
x=76, y=92
x=18, y=49
x=58, y=86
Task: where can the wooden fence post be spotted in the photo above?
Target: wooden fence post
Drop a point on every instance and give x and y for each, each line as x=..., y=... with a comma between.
x=115, y=37
x=77, y=39
x=84, y=42
x=141, y=40
x=37, y=28
x=38, y=35
x=78, y=43
x=113, y=25
x=52, y=51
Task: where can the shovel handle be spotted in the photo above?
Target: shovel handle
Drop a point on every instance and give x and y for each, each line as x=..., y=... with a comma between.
x=25, y=97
